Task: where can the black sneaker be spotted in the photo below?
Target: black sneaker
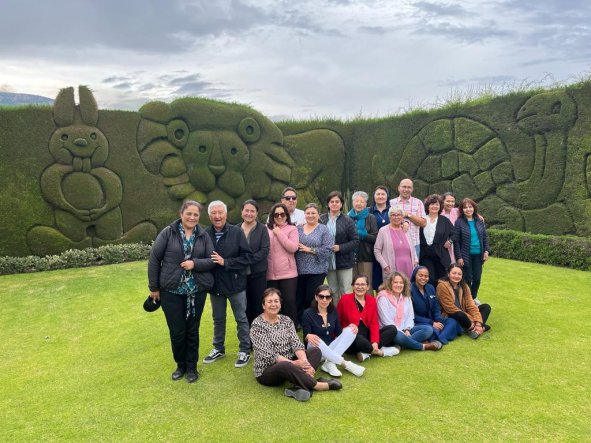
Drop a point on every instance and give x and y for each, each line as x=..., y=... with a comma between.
x=214, y=355
x=297, y=393
x=192, y=376
x=178, y=373
x=243, y=359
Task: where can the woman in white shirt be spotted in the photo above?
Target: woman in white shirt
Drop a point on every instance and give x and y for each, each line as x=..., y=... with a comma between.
x=435, y=240
x=395, y=308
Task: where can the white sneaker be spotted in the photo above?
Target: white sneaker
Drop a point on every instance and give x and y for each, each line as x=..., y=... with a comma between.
x=362, y=356
x=354, y=368
x=477, y=302
x=331, y=369
x=390, y=351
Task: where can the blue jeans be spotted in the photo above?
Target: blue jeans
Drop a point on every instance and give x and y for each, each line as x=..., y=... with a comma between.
x=218, y=309
x=451, y=329
x=418, y=334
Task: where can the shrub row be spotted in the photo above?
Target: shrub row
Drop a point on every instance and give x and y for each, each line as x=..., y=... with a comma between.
x=568, y=251
x=76, y=258
x=564, y=250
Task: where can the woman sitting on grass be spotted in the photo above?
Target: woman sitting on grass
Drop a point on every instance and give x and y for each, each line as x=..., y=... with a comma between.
x=395, y=308
x=321, y=328
x=279, y=354
x=360, y=309
x=427, y=308
x=456, y=302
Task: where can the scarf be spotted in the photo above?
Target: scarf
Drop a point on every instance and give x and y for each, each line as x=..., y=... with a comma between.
x=397, y=302
x=360, y=221
x=188, y=285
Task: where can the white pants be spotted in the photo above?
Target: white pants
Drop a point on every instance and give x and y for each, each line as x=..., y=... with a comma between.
x=334, y=352
x=340, y=282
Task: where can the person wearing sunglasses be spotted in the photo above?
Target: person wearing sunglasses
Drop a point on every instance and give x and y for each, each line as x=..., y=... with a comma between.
x=289, y=198
x=321, y=329
x=282, y=271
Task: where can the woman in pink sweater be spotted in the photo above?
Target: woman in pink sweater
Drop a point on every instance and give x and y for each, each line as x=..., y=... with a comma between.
x=282, y=272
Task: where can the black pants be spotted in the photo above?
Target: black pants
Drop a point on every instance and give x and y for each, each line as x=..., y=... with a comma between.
x=282, y=371
x=184, y=331
x=363, y=344
x=288, y=288
x=307, y=284
x=462, y=318
x=255, y=286
x=473, y=273
x=432, y=262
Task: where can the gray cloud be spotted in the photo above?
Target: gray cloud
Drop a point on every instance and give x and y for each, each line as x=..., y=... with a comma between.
x=152, y=27
x=441, y=9
x=464, y=33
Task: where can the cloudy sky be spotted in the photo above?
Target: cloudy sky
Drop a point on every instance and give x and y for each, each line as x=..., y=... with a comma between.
x=292, y=58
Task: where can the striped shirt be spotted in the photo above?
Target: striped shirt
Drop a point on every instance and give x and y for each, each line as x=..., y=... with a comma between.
x=412, y=206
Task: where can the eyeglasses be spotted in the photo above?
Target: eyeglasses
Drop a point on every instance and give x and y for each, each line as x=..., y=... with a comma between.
x=289, y=197
x=279, y=215
x=324, y=297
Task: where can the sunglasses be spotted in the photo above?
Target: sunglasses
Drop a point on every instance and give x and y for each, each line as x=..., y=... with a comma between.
x=279, y=215
x=324, y=297
x=289, y=197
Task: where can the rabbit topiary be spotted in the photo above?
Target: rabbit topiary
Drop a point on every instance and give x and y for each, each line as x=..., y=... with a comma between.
x=84, y=194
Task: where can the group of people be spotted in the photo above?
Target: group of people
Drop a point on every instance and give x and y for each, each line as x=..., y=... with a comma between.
x=423, y=259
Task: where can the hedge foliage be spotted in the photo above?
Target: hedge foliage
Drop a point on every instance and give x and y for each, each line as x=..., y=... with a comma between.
x=565, y=250
x=76, y=258
x=74, y=176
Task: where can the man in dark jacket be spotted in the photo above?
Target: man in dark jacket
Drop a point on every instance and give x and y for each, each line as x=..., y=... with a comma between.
x=231, y=255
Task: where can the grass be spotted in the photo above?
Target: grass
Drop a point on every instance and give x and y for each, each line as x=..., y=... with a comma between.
x=81, y=360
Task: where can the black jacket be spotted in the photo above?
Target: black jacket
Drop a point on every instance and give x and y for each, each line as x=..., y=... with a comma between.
x=462, y=237
x=365, y=249
x=259, y=244
x=233, y=247
x=164, y=270
x=443, y=232
x=347, y=239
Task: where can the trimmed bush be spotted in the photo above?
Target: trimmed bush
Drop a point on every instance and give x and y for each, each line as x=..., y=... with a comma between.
x=568, y=251
x=76, y=258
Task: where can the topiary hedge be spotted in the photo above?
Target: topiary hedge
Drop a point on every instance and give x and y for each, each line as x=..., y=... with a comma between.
x=74, y=176
x=566, y=250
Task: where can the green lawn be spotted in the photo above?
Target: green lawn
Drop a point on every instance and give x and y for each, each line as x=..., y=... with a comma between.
x=81, y=360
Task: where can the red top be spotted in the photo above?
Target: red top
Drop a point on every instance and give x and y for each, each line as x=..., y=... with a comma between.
x=348, y=313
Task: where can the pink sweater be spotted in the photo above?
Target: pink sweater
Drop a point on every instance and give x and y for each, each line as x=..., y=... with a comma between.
x=281, y=263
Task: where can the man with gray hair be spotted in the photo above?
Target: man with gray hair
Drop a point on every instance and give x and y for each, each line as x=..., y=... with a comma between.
x=232, y=255
x=414, y=211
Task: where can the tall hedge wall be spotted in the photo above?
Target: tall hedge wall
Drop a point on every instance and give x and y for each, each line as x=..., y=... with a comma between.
x=74, y=176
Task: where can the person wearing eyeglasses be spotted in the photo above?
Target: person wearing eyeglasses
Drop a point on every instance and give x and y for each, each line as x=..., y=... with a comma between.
x=360, y=308
x=282, y=271
x=321, y=329
x=289, y=198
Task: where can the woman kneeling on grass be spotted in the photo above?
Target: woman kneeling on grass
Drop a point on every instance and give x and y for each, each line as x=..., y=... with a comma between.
x=360, y=309
x=321, y=328
x=279, y=354
x=395, y=308
x=456, y=302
